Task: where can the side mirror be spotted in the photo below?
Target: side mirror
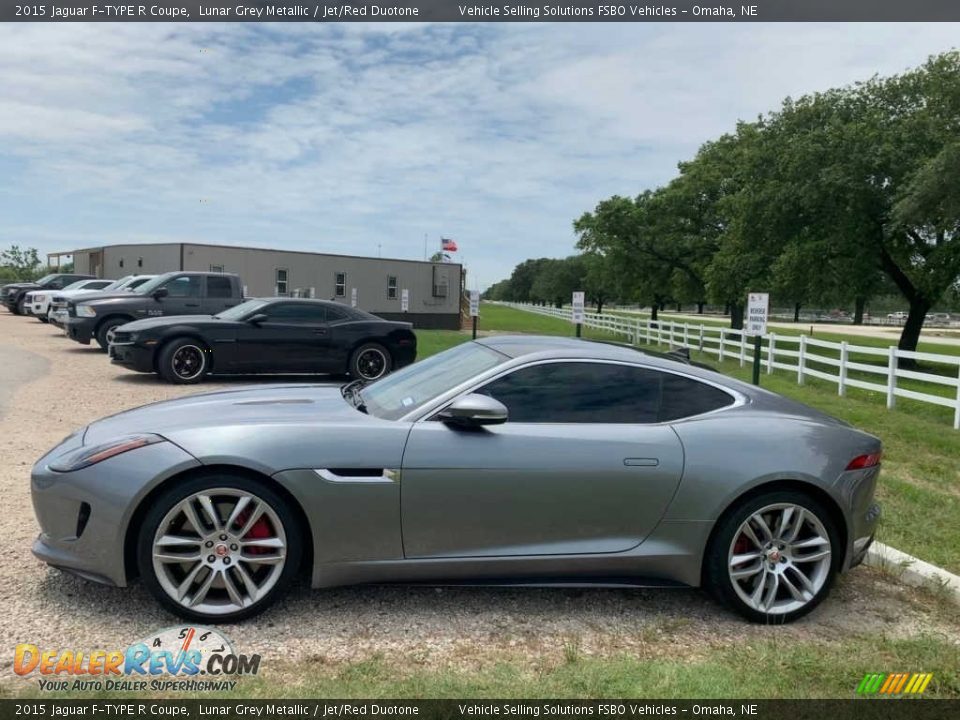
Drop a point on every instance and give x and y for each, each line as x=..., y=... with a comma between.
x=160, y=293
x=474, y=410
x=257, y=319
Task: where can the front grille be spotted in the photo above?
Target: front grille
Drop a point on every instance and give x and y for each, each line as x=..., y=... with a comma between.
x=121, y=337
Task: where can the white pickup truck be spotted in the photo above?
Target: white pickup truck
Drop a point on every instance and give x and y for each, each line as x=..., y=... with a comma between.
x=58, y=300
x=38, y=301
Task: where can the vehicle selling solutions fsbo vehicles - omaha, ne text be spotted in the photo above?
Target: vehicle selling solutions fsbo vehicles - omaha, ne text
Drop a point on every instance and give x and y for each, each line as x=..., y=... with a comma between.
x=94, y=317
x=272, y=335
x=507, y=459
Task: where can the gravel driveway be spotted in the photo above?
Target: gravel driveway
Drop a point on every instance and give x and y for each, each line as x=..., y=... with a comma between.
x=61, y=385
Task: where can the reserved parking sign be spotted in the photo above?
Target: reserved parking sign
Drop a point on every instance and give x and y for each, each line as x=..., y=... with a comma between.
x=758, y=308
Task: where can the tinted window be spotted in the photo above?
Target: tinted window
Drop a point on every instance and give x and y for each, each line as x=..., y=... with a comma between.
x=183, y=286
x=296, y=313
x=602, y=393
x=579, y=393
x=683, y=397
x=219, y=287
x=335, y=314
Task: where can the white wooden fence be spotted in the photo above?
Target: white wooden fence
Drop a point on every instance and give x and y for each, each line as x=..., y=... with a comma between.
x=793, y=353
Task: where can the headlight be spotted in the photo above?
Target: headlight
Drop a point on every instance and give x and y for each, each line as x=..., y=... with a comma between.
x=86, y=311
x=38, y=298
x=86, y=456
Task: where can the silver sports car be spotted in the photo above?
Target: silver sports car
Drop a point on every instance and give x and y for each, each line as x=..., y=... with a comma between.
x=509, y=460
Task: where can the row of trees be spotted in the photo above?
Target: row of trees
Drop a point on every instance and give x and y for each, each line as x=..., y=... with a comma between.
x=20, y=264
x=834, y=199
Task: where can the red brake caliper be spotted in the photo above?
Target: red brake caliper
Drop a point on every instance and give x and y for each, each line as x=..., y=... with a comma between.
x=742, y=545
x=260, y=529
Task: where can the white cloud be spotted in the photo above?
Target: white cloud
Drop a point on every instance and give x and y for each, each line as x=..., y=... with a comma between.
x=344, y=138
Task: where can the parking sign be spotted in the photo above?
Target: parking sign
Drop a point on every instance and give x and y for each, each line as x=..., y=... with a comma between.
x=758, y=308
x=353, y=297
x=474, y=303
x=577, y=316
x=405, y=300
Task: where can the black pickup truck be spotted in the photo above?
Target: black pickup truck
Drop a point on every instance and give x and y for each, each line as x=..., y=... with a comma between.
x=95, y=316
x=14, y=294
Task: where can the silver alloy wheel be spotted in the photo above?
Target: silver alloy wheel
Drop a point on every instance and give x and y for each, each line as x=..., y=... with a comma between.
x=188, y=362
x=779, y=558
x=219, y=551
x=371, y=364
x=111, y=333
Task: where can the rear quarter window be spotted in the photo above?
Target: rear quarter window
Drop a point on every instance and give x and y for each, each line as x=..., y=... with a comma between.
x=683, y=397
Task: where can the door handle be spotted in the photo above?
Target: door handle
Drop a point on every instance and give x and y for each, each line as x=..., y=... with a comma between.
x=192, y=304
x=641, y=462
x=320, y=331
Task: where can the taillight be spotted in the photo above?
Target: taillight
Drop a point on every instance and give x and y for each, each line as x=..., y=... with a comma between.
x=861, y=462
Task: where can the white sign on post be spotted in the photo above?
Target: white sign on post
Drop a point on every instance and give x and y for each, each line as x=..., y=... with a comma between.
x=405, y=300
x=577, y=316
x=474, y=303
x=353, y=297
x=758, y=308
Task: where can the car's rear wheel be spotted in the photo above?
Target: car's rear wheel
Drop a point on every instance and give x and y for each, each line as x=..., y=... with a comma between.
x=106, y=329
x=183, y=361
x=774, y=557
x=370, y=362
x=219, y=548
x=21, y=307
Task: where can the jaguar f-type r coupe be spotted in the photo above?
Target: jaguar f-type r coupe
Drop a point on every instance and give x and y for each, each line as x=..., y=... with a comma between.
x=507, y=460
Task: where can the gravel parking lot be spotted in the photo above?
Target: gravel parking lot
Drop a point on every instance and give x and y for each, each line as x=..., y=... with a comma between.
x=49, y=386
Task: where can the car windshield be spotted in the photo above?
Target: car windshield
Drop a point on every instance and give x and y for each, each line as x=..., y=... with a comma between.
x=117, y=284
x=151, y=285
x=241, y=310
x=45, y=279
x=405, y=390
x=77, y=285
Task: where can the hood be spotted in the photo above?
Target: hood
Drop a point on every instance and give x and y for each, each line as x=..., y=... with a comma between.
x=297, y=405
x=20, y=286
x=167, y=320
x=112, y=295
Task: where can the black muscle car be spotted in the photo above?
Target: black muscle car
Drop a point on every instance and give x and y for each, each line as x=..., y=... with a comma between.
x=272, y=335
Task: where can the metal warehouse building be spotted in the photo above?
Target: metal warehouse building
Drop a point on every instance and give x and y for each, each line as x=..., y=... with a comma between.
x=433, y=289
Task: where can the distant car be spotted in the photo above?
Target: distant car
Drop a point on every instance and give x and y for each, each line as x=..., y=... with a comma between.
x=38, y=301
x=14, y=295
x=899, y=316
x=509, y=460
x=943, y=318
x=58, y=302
x=275, y=335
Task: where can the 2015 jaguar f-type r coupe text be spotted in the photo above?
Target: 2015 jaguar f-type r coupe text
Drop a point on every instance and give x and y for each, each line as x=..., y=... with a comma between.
x=509, y=459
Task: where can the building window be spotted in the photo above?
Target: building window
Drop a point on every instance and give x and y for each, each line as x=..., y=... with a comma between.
x=281, y=285
x=216, y=268
x=440, y=281
x=121, y=262
x=392, y=287
x=139, y=262
x=340, y=284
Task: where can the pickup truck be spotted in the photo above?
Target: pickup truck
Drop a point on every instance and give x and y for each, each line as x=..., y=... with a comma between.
x=14, y=295
x=97, y=315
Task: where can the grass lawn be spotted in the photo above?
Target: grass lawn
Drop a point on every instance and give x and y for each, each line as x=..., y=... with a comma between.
x=920, y=483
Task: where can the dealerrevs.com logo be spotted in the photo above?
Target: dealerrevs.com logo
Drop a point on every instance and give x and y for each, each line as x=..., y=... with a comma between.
x=177, y=658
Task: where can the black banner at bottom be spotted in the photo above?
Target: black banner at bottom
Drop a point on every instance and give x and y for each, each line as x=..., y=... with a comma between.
x=908, y=709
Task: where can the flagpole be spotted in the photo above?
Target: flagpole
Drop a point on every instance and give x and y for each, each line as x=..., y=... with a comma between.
x=424, y=246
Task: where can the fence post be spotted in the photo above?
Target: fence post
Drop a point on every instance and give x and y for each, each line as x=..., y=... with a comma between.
x=801, y=359
x=842, y=384
x=723, y=337
x=701, y=337
x=686, y=335
x=892, y=378
x=956, y=413
x=660, y=333
x=771, y=345
x=743, y=347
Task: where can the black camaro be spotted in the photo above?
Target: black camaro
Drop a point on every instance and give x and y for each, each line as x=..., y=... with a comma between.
x=274, y=335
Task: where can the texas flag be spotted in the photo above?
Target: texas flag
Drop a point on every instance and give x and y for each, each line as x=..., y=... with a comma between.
x=448, y=245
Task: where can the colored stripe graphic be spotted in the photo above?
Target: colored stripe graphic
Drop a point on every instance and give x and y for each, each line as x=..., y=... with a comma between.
x=894, y=683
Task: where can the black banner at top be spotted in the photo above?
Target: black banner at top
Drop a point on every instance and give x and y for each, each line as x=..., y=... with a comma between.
x=338, y=11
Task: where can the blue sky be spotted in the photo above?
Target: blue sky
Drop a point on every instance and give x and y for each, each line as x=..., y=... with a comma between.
x=346, y=138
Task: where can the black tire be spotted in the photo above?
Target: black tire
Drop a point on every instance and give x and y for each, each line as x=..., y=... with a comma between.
x=105, y=327
x=370, y=361
x=716, y=575
x=160, y=506
x=183, y=361
x=21, y=307
x=43, y=319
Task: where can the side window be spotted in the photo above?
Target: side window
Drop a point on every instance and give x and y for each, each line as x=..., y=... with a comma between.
x=183, y=286
x=580, y=392
x=335, y=314
x=306, y=313
x=219, y=287
x=340, y=284
x=683, y=397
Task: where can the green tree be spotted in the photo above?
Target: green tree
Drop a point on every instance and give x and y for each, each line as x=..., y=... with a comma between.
x=19, y=264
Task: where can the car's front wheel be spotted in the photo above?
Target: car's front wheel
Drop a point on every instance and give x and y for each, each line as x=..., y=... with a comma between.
x=774, y=557
x=104, y=332
x=183, y=361
x=219, y=548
